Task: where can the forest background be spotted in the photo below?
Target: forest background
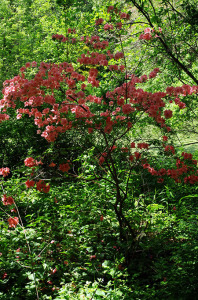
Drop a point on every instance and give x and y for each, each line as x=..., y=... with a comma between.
x=104, y=212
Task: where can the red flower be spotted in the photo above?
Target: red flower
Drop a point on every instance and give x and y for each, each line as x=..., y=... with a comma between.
x=165, y=138
x=137, y=155
x=52, y=165
x=101, y=218
x=13, y=221
x=131, y=157
x=42, y=187
x=152, y=171
x=30, y=183
x=29, y=162
x=90, y=130
x=101, y=160
x=162, y=172
x=64, y=167
x=187, y=155
x=4, y=171
x=7, y=200
x=168, y=113
x=191, y=179
x=99, y=21
x=4, y=275
x=169, y=148
x=143, y=146
x=127, y=109
x=146, y=166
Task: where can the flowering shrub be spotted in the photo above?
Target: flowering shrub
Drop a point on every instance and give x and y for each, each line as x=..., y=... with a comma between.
x=123, y=209
x=61, y=97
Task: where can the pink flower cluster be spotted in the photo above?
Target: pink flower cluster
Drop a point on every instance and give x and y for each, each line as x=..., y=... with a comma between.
x=143, y=146
x=42, y=186
x=169, y=148
x=3, y=117
x=102, y=158
x=4, y=172
x=13, y=222
x=64, y=167
x=95, y=42
x=30, y=183
x=94, y=59
x=111, y=9
x=183, y=90
x=31, y=162
x=168, y=113
x=99, y=21
x=108, y=27
x=7, y=200
x=154, y=73
x=59, y=37
x=148, y=33
x=124, y=16
x=119, y=55
x=181, y=169
x=92, y=77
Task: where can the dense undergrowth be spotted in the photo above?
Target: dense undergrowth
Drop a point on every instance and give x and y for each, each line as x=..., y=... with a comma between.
x=70, y=246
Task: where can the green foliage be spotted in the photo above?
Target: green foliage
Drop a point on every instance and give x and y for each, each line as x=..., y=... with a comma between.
x=179, y=36
x=76, y=253
x=17, y=140
x=69, y=243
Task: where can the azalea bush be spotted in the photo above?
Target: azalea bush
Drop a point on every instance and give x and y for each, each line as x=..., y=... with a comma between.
x=98, y=99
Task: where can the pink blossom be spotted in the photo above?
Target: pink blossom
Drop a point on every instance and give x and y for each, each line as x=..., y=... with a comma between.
x=108, y=27
x=7, y=200
x=127, y=109
x=99, y=21
x=168, y=113
x=30, y=183
x=4, y=171
x=64, y=167
x=13, y=222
